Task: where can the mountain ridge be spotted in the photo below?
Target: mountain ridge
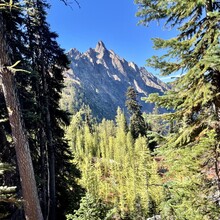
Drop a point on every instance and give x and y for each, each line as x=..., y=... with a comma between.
x=100, y=78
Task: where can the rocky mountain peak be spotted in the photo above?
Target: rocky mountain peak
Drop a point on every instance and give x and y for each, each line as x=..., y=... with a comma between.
x=100, y=78
x=74, y=53
x=101, y=50
x=100, y=47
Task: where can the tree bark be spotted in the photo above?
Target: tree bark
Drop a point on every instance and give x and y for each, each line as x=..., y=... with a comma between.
x=29, y=190
x=51, y=150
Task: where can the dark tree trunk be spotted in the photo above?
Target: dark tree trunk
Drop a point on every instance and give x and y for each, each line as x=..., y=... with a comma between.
x=51, y=150
x=28, y=183
x=44, y=172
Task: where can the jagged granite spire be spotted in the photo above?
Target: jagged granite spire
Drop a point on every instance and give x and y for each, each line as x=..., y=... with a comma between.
x=103, y=78
x=100, y=47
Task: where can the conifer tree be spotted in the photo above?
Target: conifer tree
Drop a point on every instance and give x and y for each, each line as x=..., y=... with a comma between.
x=137, y=123
x=47, y=62
x=26, y=37
x=194, y=146
x=9, y=44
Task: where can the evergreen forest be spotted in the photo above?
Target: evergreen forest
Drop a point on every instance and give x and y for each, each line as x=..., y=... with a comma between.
x=57, y=165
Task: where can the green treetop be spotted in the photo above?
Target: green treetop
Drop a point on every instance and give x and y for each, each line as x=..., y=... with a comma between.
x=137, y=123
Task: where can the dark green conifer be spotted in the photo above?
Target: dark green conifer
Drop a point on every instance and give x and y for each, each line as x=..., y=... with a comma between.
x=47, y=62
x=192, y=146
x=137, y=123
x=11, y=53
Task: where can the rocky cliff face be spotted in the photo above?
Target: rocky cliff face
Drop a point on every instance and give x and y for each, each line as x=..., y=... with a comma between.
x=100, y=78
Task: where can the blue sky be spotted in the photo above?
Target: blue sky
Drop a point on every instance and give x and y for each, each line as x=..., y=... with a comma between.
x=114, y=22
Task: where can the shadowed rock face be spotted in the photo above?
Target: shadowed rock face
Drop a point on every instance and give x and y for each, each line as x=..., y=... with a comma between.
x=100, y=78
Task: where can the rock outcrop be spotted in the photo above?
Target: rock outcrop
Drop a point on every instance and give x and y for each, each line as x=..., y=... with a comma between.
x=100, y=78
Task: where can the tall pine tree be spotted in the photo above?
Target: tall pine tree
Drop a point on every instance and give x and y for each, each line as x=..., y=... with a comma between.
x=137, y=123
x=193, y=149
x=47, y=62
x=38, y=91
x=10, y=35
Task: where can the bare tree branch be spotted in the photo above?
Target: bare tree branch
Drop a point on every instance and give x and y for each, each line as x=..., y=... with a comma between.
x=67, y=3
